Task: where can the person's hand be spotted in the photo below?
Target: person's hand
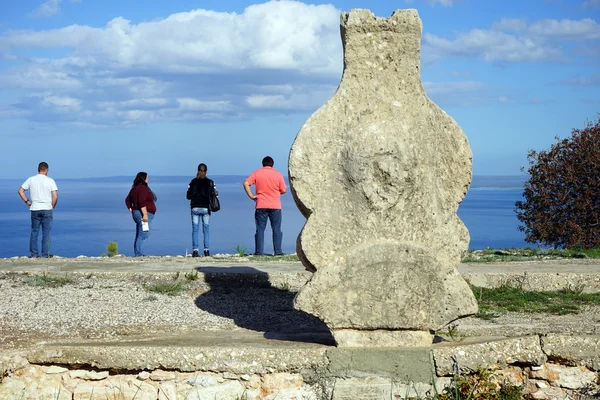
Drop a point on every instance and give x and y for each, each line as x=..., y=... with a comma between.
x=130, y=210
x=145, y=219
x=28, y=202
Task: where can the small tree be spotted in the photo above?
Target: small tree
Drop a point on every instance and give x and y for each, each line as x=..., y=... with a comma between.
x=112, y=249
x=561, y=206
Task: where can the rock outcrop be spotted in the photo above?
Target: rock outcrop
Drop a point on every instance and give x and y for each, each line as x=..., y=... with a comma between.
x=379, y=172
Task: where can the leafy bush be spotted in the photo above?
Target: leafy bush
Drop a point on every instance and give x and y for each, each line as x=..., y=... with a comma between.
x=561, y=206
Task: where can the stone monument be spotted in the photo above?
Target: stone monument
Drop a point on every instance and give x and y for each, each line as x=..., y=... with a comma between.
x=379, y=172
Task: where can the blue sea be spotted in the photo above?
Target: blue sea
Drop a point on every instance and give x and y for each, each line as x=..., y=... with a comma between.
x=91, y=212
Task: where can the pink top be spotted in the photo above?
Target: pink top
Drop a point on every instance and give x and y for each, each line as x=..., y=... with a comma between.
x=269, y=185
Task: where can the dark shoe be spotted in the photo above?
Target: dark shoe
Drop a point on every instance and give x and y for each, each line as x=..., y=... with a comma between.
x=33, y=256
x=206, y=253
x=195, y=253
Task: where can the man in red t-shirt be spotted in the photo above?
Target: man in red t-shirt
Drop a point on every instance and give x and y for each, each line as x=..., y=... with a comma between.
x=269, y=188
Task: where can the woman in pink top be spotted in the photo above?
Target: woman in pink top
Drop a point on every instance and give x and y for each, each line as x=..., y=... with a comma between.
x=270, y=185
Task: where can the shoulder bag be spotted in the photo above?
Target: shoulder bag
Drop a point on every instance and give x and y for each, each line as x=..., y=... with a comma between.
x=213, y=200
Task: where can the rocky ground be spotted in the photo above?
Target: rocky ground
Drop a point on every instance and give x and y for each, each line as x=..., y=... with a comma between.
x=94, y=306
x=97, y=305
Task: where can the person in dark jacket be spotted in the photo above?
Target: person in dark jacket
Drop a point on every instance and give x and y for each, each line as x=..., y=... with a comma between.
x=198, y=193
x=140, y=202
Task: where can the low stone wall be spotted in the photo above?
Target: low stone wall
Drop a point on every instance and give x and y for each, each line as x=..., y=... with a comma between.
x=547, y=366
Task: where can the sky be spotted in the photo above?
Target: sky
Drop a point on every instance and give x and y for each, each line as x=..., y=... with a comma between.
x=105, y=88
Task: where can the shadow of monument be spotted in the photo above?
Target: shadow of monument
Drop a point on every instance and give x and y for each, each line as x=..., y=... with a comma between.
x=245, y=295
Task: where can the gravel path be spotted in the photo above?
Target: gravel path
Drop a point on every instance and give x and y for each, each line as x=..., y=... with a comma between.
x=119, y=306
x=95, y=307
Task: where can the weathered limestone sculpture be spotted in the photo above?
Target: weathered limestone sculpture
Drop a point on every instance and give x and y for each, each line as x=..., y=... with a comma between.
x=379, y=172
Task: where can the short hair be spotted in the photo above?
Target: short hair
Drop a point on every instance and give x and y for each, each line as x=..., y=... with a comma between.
x=268, y=162
x=43, y=166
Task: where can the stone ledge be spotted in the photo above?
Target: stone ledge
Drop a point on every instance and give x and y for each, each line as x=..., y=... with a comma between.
x=573, y=350
x=250, y=360
x=467, y=358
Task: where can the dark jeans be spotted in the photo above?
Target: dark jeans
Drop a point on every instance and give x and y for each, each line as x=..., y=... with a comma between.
x=44, y=219
x=260, y=217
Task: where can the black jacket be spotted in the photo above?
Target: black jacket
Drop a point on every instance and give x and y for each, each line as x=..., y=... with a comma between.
x=199, y=191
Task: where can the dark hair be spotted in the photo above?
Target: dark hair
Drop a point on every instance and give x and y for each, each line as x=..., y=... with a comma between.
x=42, y=166
x=140, y=179
x=201, y=167
x=268, y=162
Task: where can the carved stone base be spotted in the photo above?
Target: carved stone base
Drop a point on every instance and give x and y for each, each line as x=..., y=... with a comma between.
x=381, y=338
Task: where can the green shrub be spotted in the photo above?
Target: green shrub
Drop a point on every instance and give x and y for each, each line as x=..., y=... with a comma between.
x=112, y=249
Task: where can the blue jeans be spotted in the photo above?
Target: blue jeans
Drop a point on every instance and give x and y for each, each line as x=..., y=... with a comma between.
x=44, y=219
x=260, y=217
x=140, y=235
x=197, y=213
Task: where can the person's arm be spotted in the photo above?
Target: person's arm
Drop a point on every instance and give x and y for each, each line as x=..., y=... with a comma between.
x=248, y=191
x=282, y=186
x=54, y=198
x=23, y=196
x=190, y=190
x=144, y=214
x=128, y=202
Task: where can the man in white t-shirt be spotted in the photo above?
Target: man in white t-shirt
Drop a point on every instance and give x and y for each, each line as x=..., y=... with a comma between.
x=44, y=196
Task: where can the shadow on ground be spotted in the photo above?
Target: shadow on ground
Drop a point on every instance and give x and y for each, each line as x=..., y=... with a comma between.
x=245, y=295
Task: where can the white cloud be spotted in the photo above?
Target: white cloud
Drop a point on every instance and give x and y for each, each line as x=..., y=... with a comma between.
x=199, y=105
x=591, y=3
x=491, y=46
x=581, y=80
x=191, y=65
x=50, y=8
x=278, y=34
x=47, y=9
x=303, y=97
x=585, y=29
x=513, y=41
x=459, y=93
x=276, y=57
x=511, y=24
x=62, y=103
x=445, y=3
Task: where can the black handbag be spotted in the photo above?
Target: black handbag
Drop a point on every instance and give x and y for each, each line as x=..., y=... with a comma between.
x=213, y=200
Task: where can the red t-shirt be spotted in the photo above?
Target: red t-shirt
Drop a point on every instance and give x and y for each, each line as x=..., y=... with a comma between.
x=269, y=185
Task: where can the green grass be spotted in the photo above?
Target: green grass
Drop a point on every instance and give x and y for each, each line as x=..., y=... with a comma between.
x=191, y=275
x=526, y=254
x=240, y=250
x=493, y=302
x=173, y=288
x=48, y=281
x=482, y=385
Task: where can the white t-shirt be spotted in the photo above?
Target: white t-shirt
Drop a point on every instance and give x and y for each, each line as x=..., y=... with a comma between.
x=40, y=191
